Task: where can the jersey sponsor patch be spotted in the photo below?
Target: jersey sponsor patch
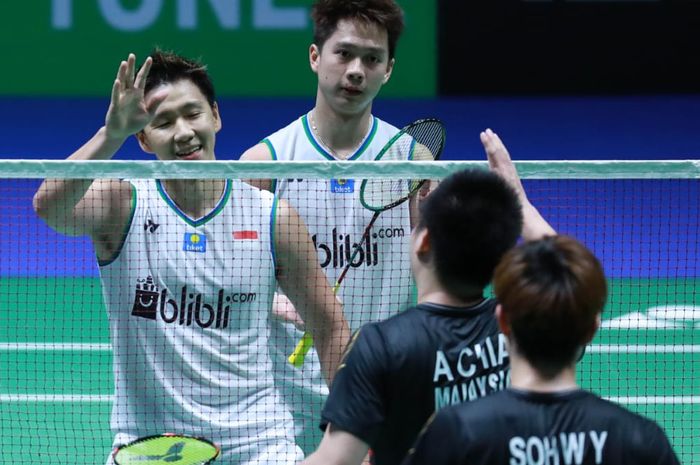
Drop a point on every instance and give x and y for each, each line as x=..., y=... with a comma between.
x=187, y=307
x=342, y=186
x=194, y=242
x=245, y=235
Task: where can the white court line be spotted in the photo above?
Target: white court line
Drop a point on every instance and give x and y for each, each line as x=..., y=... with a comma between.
x=596, y=348
x=55, y=398
x=643, y=349
x=634, y=400
x=57, y=346
x=655, y=400
x=593, y=349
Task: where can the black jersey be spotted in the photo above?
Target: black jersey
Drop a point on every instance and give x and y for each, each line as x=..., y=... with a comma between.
x=525, y=428
x=397, y=372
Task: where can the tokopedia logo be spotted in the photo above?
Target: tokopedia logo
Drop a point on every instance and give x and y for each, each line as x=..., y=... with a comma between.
x=191, y=308
x=668, y=317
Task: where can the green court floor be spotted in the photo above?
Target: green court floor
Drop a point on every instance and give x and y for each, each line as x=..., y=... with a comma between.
x=56, y=381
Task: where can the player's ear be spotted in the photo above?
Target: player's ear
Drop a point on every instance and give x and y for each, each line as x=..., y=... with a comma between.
x=423, y=242
x=217, y=116
x=389, y=70
x=596, y=326
x=503, y=323
x=143, y=142
x=314, y=55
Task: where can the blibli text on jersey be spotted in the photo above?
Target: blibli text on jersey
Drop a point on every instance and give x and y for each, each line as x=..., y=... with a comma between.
x=338, y=252
x=189, y=308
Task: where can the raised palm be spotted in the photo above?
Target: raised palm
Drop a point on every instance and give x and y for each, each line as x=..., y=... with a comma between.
x=129, y=111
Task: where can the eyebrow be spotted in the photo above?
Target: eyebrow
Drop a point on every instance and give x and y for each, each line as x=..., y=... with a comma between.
x=194, y=104
x=376, y=50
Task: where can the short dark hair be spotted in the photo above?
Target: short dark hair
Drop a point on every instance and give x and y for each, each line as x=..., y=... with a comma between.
x=385, y=13
x=552, y=291
x=169, y=67
x=473, y=217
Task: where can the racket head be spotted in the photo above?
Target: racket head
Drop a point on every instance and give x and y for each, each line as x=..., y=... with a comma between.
x=422, y=140
x=166, y=449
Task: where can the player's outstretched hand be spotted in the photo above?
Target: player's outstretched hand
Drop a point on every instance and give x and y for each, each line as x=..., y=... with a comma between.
x=534, y=225
x=129, y=112
x=500, y=161
x=283, y=309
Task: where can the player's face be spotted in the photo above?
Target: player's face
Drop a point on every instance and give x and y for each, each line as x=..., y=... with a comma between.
x=184, y=126
x=352, y=66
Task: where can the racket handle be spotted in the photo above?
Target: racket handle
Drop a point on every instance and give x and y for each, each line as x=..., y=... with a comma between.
x=306, y=342
x=302, y=348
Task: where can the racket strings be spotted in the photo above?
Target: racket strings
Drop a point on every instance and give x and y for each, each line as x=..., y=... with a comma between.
x=421, y=141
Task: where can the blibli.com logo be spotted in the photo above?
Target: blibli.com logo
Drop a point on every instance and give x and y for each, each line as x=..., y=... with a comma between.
x=189, y=309
x=341, y=248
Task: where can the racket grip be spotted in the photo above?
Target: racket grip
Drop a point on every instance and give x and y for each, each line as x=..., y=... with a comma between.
x=302, y=348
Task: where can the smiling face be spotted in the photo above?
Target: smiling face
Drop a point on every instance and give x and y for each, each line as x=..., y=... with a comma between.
x=352, y=66
x=184, y=126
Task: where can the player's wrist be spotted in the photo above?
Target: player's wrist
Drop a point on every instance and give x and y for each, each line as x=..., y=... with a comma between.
x=113, y=136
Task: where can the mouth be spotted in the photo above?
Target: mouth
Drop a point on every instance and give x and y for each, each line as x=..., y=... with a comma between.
x=352, y=90
x=188, y=152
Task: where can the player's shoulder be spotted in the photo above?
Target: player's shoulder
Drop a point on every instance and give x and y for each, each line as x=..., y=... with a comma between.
x=388, y=333
x=482, y=410
x=398, y=323
x=405, y=332
x=242, y=191
x=634, y=423
x=274, y=141
x=384, y=125
x=381, y=132
x=640, y=435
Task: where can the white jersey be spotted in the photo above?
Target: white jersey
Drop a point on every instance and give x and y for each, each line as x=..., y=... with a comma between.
x=378, y=285
x=189, y=305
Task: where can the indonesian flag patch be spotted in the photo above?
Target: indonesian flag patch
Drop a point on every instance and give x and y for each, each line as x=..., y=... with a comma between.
x=245, y=235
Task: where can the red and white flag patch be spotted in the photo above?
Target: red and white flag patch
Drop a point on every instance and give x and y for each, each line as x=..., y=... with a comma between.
x=245, y=235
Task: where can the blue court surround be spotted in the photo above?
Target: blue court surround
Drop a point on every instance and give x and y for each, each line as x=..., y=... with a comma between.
x=649, y=127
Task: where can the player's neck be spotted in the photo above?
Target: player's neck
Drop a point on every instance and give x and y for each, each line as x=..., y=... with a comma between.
x=341, y=134
x=526, y=378
x=430, y=291
x=195, y=197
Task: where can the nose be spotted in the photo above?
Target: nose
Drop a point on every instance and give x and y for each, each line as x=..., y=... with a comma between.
x=183, y=130
x=355, y=71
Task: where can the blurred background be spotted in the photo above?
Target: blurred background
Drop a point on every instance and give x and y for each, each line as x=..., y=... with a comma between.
x=557, y=79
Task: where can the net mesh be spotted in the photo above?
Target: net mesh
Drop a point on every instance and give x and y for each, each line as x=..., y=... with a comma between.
x=422, y=140
x=191, y=273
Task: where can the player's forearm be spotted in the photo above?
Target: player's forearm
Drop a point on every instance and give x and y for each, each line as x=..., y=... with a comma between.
x=534, y=225
x=55, y=199
x=330, y=339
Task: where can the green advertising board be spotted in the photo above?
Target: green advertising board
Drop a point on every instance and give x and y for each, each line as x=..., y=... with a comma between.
x=254, y=48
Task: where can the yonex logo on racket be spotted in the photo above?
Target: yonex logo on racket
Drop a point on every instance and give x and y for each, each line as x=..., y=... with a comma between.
x=189, y=309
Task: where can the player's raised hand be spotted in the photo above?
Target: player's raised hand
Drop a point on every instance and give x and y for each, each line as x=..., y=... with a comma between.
x=534, y=225
x=500, y=161
x=129, y=111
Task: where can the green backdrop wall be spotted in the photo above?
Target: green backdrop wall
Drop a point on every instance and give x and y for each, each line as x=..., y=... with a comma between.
x=254, y=48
